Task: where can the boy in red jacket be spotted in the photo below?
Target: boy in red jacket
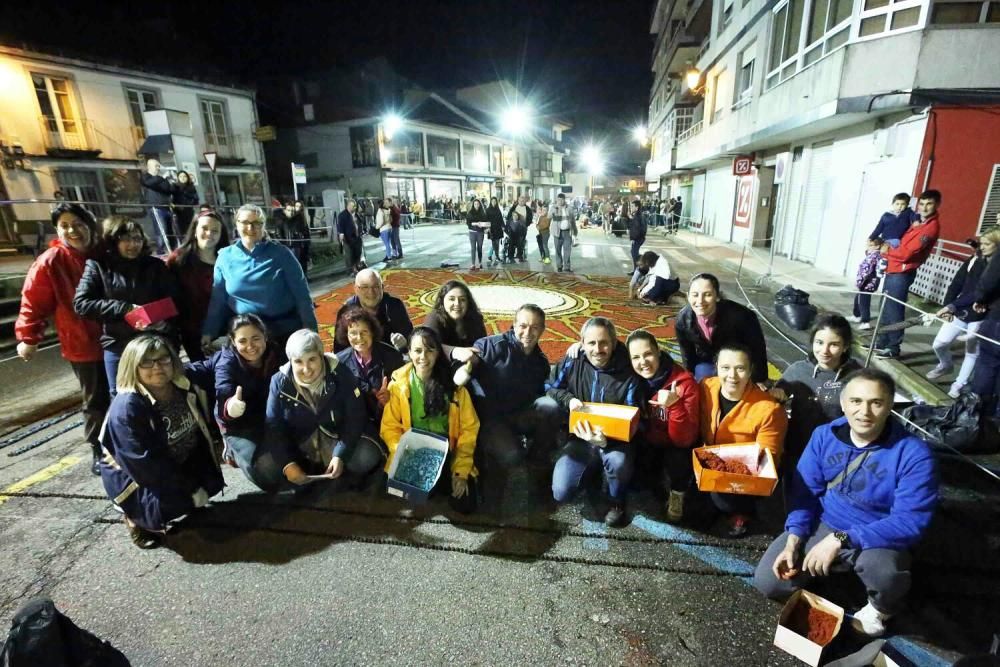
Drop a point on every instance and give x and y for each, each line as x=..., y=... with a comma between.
x=672, y=424
x=914, y=248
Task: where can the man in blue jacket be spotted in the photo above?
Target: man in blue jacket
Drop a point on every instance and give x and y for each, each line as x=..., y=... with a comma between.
x=511, y=370
x=601, y=374
x=862, y=497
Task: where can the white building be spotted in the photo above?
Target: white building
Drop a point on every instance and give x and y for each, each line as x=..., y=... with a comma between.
x=831, y=102
x=78, y=127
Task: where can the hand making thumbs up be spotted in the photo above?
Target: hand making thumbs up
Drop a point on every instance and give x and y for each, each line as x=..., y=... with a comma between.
x=235, y=407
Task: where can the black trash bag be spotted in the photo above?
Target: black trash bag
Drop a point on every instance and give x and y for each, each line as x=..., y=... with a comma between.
x=793, y=308
x=961, y=425
x=40, y=635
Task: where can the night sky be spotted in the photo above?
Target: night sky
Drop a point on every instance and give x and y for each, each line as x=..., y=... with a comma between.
x=588, y=61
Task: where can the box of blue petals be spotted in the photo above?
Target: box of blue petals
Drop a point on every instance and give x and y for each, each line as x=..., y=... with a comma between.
x=417, y=464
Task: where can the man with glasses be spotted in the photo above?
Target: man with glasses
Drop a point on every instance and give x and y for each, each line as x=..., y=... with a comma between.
x=389, y=310
x=256, y=275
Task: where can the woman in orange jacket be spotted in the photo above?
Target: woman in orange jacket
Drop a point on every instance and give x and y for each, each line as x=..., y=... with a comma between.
x=422, y=394
x=734, y=410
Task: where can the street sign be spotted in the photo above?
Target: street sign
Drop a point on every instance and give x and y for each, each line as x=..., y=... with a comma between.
x=742, y=165
x=744, y=202
x=298, y=173
x=266, y=133
x=210, y=158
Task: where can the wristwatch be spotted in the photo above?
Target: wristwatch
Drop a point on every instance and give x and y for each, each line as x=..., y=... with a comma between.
x=845, y=540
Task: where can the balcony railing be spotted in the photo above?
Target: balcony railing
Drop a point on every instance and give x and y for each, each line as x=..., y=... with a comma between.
x=690, y=132
x=71, y=136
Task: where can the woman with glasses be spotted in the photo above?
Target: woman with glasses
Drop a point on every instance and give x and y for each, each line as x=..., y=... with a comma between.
x=193, y=265
x=48, y=292
x=162, y=458
x=370, y=360
x=123, y=276
x=257, y=275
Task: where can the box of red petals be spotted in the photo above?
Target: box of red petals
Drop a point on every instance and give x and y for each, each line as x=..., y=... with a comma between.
x=746, y=469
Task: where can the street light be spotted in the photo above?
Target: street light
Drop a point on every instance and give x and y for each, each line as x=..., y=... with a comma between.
x=515, y=120
x=591, y=158
x=391, y=124
x=640, y=135
x=692, y=77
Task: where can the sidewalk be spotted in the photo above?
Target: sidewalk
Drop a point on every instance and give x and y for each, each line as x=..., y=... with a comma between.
x=761, y=277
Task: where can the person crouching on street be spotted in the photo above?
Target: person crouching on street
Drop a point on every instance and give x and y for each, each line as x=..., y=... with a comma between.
x=161, y=457
x=862, y=496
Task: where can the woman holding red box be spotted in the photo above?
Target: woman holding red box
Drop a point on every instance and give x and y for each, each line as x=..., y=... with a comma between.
x=734, y=410
x=123, y=276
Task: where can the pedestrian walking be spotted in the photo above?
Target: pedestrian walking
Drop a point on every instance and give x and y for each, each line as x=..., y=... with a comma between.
x=542, y=225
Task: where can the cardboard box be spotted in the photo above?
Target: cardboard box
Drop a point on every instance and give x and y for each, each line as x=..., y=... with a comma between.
x=151, y=313
x=619, y=422
x=415, y=439
x=791, y=642
x=758, y=459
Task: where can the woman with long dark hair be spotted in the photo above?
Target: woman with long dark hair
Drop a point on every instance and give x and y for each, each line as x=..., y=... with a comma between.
x=478, y=223
x=422, y=395
x=193, y=265
x=456, y=320
x=123, y=276
x=184, y=199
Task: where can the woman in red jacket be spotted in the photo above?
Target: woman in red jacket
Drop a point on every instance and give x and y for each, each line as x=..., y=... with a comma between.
x=48, y=293
x=672, y=424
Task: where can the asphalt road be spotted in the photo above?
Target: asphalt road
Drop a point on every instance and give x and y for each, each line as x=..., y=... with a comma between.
x=336, y=577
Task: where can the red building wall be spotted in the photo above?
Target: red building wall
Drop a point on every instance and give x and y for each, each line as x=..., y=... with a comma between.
x=964, y=143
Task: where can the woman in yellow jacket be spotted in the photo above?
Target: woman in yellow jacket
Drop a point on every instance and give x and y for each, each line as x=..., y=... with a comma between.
x=422, y=394
x=735, y=410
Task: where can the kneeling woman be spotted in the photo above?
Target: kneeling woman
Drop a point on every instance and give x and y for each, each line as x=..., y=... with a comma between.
x=422, y=395
x=242, y=373
x=316, y=417
x=734, y=410
x=163, y=461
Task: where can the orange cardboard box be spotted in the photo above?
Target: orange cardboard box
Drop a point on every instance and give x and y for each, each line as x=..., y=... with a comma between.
x=792, y=642
x=619, y=422
x=758, y=459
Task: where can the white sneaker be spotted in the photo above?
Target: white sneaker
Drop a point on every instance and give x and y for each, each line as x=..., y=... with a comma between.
x=869, y=621
x=865, y=326
x=853, y=319
x=956, y=390
x=939, y=371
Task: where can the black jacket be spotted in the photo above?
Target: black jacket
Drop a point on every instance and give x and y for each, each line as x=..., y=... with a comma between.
x=511, y=379
x=157, y=190
x=636, y=225
x=385, y=361
x=495, y=216
x=518, y=227
x=391, y=315
x=734, y=323
x=987, y=291
x=476, y=216
x=445, y=328
x=185, y=195
x=111, y=285
x=962, y=289
x=616, y=383
x=288, y=229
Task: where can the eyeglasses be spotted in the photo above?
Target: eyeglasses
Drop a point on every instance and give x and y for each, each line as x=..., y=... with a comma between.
x=132, y=238
x=249, y=223
x=162, y=362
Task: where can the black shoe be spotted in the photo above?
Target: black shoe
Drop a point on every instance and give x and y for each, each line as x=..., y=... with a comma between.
x=886, y=353
x=386, y=259
x=615, y=516
x=95, y=465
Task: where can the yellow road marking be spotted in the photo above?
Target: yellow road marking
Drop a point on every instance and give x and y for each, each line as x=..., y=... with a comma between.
x=41, y=476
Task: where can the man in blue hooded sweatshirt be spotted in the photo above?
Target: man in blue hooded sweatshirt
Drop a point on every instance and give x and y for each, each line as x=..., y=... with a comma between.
x=862, y=497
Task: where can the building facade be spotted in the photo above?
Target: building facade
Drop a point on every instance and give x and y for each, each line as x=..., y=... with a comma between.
x=834, y=107
x=79, y=128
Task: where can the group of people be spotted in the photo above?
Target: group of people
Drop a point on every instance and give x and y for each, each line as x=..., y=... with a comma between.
x=290, y=413
x=172, y=201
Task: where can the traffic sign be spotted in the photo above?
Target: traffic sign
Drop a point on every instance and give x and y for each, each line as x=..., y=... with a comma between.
x=298, y=173
x=210, y=158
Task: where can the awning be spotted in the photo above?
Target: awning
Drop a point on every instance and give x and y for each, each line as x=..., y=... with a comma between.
x=156, y=144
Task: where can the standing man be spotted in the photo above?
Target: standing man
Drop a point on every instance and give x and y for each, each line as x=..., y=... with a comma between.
x=395, y=215
x=519, y=218
x=636, y=225
x=602, y=374
x=675, y=215
x=913, y=250
x=350, y=239
x=158, y=193
x=563, y=230
x=387, y=309
x=862, y=496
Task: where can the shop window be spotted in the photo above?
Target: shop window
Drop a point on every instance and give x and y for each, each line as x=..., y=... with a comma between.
x=123, y=191
x=253, y=188
x=945, y=12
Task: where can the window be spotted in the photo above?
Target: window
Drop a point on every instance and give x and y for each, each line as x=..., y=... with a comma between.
x=442, y=152
x=364, y=146
x=884, y=16
x=59, y=118
x=475, y=157
x=81, y=186
x=744, y=76
x=949, y=13
x=405, y=148
x=718, y=91
x=727, y=14
x=217, y=137
x=798, y=41
x=541, y=161
x=496, y=159
x=139, y=100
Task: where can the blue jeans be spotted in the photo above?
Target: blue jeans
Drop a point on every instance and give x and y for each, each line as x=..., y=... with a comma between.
x=386, y=237
x=863, y=306
x=396, y=245
x=564, y=250
x=986, y=375
x=896, y=285
x=111, y=361
x=662, y=289
x=579, y=457
x=163, y=229
x=635, y=251
x=257, y=465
